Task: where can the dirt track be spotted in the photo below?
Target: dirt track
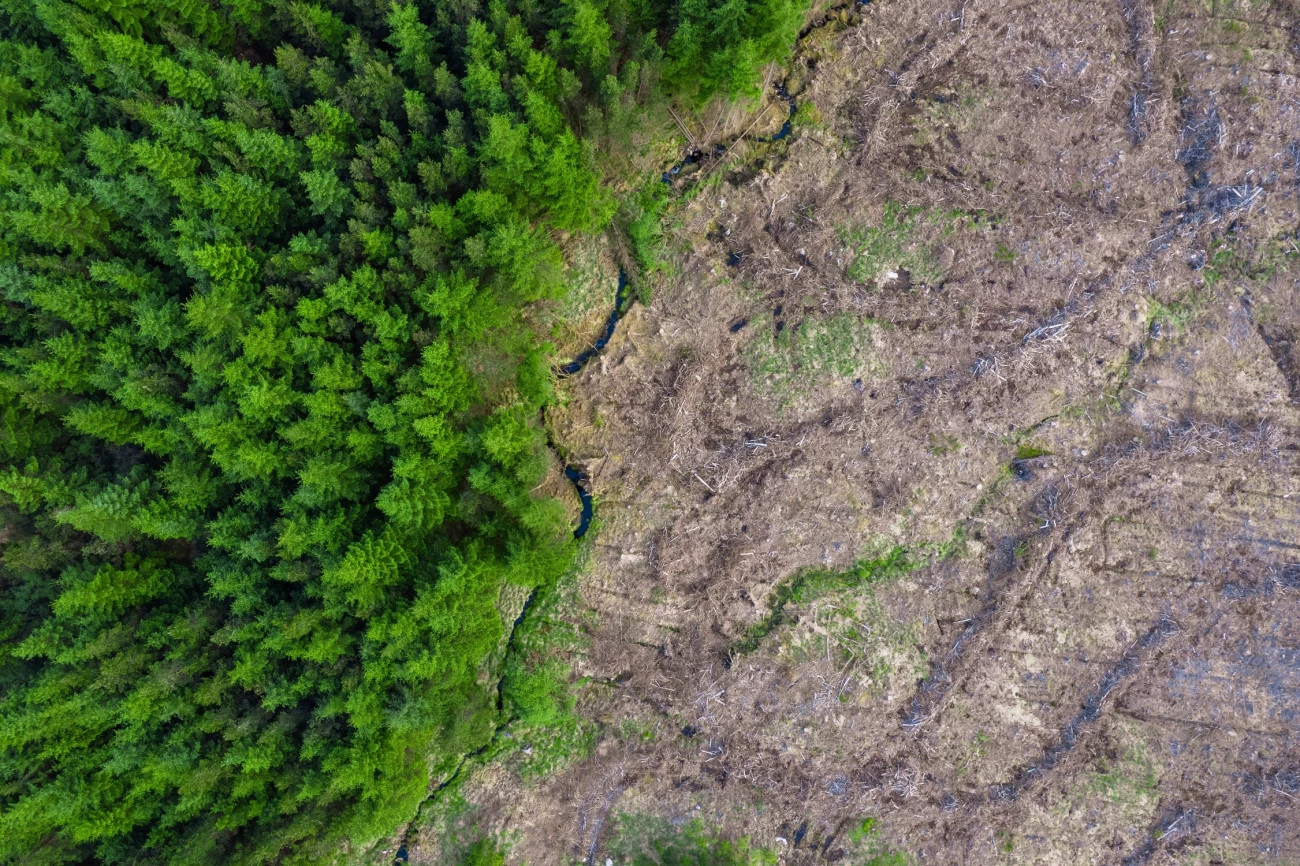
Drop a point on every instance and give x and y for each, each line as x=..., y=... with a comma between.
x=1028, y=278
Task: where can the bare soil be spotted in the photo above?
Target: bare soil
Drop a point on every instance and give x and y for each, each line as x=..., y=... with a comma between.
x=1027, y=277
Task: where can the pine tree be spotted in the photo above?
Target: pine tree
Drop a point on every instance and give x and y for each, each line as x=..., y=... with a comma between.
x=269, y=395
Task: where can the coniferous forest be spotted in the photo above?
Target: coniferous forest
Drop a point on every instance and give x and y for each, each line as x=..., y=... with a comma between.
x=270, y=393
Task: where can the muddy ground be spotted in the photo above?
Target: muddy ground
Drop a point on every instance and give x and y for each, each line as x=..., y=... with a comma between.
x=1021, y=299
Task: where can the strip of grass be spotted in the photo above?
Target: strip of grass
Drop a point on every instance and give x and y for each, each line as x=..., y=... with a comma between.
x=810, y=583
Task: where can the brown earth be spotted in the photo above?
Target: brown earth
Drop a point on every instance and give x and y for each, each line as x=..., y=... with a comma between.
x=1064, y=231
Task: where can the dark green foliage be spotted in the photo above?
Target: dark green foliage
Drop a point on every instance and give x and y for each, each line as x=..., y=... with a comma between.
x=269, y=396
x=718, y=46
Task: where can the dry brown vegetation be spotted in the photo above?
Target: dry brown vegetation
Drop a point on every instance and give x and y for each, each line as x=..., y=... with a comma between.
x=1029, y=275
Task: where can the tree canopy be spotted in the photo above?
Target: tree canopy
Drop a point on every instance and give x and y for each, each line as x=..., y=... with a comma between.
x=269, y=392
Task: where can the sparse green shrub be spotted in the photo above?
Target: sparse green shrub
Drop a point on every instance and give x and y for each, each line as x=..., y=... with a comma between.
x=484, y=853
x=1005, y=254
x=869, y=850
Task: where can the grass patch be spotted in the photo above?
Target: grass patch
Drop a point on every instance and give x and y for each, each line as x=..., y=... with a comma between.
x=648, y=840
x=1232, y=260
x=1027, y=451
x=857, y=629
x=942, y=445
x=839, y=347
x=1004, y=474
x=871, y=850
x=892, y=246
x=809, y=583
x=484, y=853
x=1123, y=787
x=538, y=692
x=897, y=244
x=454, y=822
x=975, y=751
x=956, y=219
x=645, y=840
x=958, y=107
x=634, y=731
x=1172, y=317
x=591, y=286
x=1129, y=780
x=808, y=116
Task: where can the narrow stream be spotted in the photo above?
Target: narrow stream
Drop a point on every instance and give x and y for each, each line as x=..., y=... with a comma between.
x=579, y=479
x=575, y=475
x=603, y=340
